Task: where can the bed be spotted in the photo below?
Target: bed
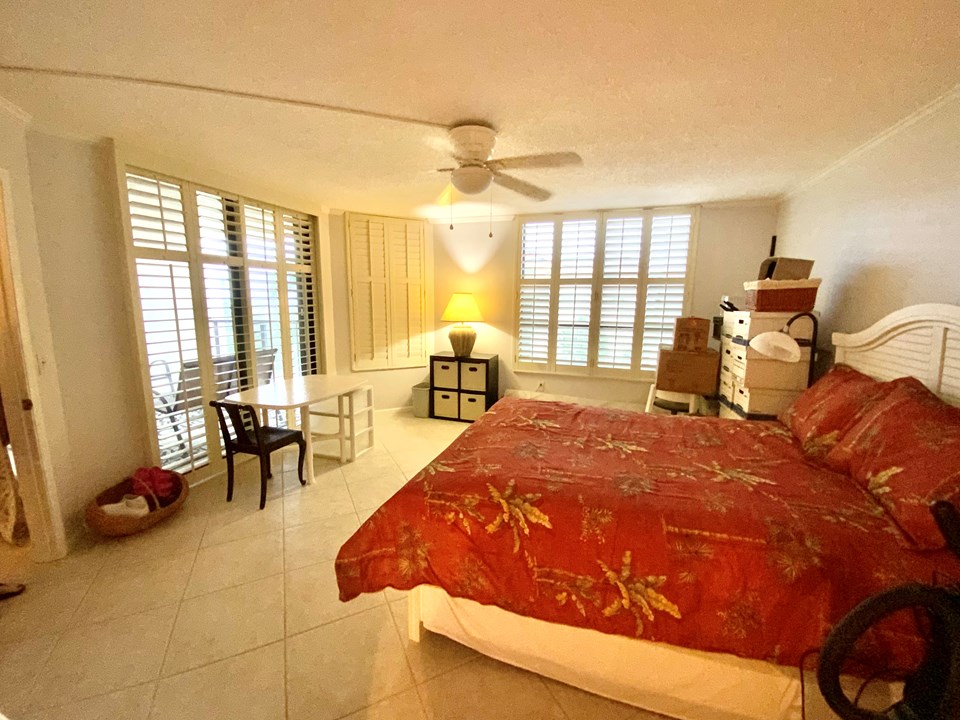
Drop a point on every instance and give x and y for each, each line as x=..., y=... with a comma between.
x=682, y=565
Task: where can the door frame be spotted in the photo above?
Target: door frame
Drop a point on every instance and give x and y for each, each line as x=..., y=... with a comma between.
x=34, y=477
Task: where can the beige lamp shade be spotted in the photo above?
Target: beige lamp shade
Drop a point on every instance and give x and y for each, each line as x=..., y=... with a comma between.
x=462, y=308
x=777, y=345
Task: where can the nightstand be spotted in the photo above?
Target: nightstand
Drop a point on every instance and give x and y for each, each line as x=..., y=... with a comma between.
x=463, y=388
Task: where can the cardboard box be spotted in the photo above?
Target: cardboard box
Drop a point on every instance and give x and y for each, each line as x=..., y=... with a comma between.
x=782, y=268
x=688, y=372
x=691, y=334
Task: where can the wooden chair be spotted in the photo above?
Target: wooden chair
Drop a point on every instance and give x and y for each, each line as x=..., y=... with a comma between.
x=252, y=438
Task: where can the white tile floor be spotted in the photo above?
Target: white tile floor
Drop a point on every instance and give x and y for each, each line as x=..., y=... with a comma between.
x=226, y=611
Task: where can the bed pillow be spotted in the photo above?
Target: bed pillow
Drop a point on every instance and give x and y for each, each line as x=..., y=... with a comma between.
x=820, y=416
x=905, y=451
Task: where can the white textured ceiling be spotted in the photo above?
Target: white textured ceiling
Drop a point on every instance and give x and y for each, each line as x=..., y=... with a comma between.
x=667, y=101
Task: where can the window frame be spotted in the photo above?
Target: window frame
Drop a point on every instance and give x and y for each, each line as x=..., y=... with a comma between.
x=597, y=282
x=236, y=261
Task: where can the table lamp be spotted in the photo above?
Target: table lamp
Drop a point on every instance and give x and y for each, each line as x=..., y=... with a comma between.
x=462, y=309
x=779, y=345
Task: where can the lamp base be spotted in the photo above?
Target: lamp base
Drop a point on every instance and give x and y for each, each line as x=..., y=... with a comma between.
x=462, y=338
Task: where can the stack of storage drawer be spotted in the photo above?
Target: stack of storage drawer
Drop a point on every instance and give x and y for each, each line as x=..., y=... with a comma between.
x=754, y=386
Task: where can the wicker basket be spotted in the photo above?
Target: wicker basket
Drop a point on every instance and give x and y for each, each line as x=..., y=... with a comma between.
x=781, y=295
x=118, y=525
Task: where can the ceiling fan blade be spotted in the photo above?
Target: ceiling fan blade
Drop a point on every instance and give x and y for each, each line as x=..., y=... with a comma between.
x=522, y=187
x=546, y=160
x=445, y=169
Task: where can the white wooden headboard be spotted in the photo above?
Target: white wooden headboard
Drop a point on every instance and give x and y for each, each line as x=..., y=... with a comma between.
x=920, y=340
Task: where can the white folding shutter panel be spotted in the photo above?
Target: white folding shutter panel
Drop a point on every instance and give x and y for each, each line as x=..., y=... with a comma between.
x=666, y=282
x=623, y=245
x=259, y=236
x=220, y=231
x=159, y=240
x=369, y=286
x=407, y=316
x=578, y=244
x=156, y=214
x=171, y=343
x=536, y=268
x=298, y=237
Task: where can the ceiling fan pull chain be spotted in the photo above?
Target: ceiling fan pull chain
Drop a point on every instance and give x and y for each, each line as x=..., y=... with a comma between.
x=491, y=212
x=451, y=207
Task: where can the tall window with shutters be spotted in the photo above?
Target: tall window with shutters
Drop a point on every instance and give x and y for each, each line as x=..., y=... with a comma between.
x=225, y=287
x=388, y=317
x=599, y=292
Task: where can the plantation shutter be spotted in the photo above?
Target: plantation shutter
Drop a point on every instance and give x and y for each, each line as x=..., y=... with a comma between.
x=536, y=270
x=622, y=252
x=578, y=247
x=242, y=269
x=666, y=282
x=587, y=281
x=407, y=311
x=298, y=244
x=387, y=292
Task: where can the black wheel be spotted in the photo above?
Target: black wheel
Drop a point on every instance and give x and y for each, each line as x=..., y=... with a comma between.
x=944, y=666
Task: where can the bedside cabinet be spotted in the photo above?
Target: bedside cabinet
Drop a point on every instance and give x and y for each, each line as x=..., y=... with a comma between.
x=752, y=386
x=463, y=388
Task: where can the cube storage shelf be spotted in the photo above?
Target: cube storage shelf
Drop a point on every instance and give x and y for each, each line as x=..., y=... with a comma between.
x=463, y=388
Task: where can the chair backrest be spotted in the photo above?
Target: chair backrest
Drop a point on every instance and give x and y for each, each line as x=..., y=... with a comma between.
x=242, y=420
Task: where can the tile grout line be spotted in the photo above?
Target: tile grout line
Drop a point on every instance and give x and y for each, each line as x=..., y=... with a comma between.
x=56, y=643
x=173, y=625
x=553, y=695
x=406, y=656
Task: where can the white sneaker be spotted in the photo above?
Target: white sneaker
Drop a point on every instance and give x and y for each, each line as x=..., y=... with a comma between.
x=130, y=506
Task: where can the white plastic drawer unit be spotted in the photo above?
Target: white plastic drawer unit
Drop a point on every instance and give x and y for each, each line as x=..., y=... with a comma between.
x=746, y=325
x=445, y=374
x=446, y=404
x=463, y=388
x=752, y=385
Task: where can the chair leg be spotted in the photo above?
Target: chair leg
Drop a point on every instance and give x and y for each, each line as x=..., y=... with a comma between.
x=269, y=468
x=303, y=454
x=264, y=463
x=651, y=396
x=229, y=476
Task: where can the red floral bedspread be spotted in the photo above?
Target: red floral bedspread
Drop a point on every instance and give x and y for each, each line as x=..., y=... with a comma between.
x=705, y=533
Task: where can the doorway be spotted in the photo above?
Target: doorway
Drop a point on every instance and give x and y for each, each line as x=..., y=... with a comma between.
x=34, y=507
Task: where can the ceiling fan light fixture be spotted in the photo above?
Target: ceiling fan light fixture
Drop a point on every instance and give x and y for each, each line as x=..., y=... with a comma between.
x=471, y=179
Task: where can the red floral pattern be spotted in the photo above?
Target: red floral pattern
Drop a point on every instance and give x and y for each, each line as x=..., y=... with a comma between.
x=821, y=415
x=905, y=451
x=699, y=532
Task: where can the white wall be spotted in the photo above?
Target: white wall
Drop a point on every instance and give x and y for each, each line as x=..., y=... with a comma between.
x=85, y=281
x=733, y=240
x=883, y=225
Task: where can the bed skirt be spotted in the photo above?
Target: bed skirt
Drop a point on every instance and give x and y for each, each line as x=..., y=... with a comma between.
x=677, y=682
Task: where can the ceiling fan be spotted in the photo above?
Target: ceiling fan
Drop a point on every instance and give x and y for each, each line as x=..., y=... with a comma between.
x=472, y=146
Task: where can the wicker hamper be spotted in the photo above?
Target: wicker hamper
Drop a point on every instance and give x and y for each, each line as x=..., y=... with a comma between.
x=118, y=526
x=781, y=295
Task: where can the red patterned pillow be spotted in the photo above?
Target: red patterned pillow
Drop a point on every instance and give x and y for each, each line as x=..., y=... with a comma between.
x=819, y=417
x=905, y=451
